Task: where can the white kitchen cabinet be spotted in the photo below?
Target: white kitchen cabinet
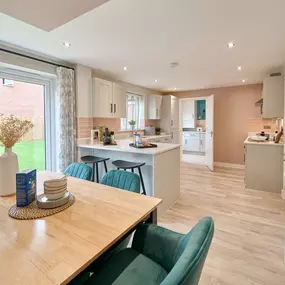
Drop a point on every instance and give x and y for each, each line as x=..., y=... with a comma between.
x=264, y=167
x=154, y=107
x=202, y=142
x=174, y=112
x=169, y=113
x=119, y=101
x=188, y=113
x=191, y=141
x=194, y=141
x=108, y=99
x=102, y=98
x=273, y=97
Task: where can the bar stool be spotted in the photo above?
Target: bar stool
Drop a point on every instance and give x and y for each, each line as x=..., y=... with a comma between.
x=122, y=164
x=94, y=160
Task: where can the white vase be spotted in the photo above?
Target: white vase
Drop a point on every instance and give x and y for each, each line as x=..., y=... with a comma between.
x=8, y=168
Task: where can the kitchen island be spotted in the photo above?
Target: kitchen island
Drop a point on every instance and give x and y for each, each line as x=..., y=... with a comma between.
x=161, y=173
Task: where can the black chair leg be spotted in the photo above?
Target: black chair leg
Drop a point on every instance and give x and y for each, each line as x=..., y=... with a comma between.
x=97, y=173
x=105, y=165
x=93, y=173
x=140, y=172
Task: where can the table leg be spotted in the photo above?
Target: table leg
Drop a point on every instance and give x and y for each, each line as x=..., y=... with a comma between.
x=152, y=217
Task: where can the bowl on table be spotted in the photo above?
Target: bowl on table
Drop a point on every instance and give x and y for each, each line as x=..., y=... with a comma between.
x=55, y=188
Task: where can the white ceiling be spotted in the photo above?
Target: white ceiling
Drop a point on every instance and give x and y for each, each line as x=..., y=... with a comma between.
x=146, y=35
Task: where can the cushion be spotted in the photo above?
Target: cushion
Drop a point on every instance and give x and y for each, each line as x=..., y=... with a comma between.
x=129, y=267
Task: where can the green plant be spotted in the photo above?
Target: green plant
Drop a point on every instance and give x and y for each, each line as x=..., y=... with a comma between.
x=132, y=123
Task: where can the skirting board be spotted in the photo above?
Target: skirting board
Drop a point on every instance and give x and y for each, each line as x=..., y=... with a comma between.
x=229, y=165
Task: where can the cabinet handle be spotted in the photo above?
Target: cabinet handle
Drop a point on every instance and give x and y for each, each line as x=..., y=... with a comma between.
x=111, y=108
x=156, y=112
x=171, y=122
x=115, y=108
x=185, y=141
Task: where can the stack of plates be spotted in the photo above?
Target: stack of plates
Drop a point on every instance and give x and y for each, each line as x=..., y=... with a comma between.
x=55, y=189
x=55, y=194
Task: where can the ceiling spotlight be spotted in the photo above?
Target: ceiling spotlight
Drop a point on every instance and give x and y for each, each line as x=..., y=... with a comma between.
x=66, y=44
x=155, y=80
x=125, y=68
x=230, y=45
x=239, y=67
x=243, y=81
x=175, y=88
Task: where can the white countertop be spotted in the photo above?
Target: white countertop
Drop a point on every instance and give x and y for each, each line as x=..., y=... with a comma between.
x=271, y=143
x=123, y=146
x=156, y=137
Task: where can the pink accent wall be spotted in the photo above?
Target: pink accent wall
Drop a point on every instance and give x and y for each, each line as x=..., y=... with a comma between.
x=235, y=115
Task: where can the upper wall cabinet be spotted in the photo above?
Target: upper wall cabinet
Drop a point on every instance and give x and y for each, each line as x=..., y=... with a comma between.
x=154, y=107
x=109, y=99
x=273, y=97
x=188, y=113
x=119, y=101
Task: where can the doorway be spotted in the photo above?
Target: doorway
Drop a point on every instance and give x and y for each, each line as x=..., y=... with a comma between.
x=196, y=119
x=28, y=96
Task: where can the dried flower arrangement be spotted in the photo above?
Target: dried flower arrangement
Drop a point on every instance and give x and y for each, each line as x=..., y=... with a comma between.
x=12, y=129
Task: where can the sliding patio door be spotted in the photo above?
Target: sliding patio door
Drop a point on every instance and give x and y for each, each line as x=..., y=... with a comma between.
x=29, y=96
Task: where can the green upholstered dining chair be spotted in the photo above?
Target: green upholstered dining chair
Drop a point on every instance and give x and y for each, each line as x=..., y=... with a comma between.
x=122, y=179
x=158, y=256
x=79, y=170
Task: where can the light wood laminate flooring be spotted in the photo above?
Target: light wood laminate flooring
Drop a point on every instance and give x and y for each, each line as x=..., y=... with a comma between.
x=249, y=241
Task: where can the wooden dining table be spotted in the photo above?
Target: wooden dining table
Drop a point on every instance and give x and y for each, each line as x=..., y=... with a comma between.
x=55, y=249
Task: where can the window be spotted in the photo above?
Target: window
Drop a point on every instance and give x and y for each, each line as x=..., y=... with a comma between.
x=32, y=98
x=8, y=82
x=135, y=112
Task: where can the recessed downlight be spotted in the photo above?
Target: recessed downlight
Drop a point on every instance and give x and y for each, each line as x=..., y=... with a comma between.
x=243, y=81
x=66, y=44
x=155, y=80
x=125, y=68
x=175, y=88
x=230, y=45
x=239, y=68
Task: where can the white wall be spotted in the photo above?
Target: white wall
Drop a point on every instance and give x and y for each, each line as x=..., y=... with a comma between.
x=83, y=91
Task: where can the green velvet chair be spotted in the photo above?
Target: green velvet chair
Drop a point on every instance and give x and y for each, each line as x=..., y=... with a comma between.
x=122, y=179
x=79, y=170
x=158, y=256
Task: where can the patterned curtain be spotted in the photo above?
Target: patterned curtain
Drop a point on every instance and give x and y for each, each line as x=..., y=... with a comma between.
x=65, y=112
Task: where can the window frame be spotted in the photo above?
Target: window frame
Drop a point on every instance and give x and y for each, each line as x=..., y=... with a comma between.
x=49, y=83
x=7, y=84
x=125, y=121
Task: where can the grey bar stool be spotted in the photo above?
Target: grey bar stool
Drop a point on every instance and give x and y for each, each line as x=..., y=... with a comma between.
x=123, y=164
x=95, y=160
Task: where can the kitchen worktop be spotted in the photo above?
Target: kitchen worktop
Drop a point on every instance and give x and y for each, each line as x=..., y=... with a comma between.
x=153, y=137
x=196, y=132
x=271, y=143
x=123, y=146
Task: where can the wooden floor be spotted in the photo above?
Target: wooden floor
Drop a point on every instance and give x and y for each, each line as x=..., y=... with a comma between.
x=249, y=241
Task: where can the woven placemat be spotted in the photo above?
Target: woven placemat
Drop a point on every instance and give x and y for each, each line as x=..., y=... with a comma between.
x=33, y=212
